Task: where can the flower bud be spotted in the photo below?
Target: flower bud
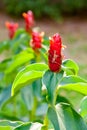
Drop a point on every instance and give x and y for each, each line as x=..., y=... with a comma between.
x=36, y=41
x=29, y=20
x=54, y=53
x=12, y=27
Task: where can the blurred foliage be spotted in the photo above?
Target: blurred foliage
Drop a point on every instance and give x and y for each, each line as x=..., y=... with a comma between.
x=78, y=6
x=53, y=9
x=39, y=7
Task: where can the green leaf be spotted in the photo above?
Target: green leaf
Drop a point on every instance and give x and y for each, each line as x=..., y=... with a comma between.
x=83, y=108
x=74, y=83
x=70, y=67
x=62, y=99
x=4, y=64
x=50, y=81
x=18, y=60
x=37, y=86
x=19, y=32
x=9, y=125
x=29, y=74
x=4, y=115
x=4, y=46
x=46, y=41
x=6, y=128
x=30, y=126
x=63, y=117
x=43, y=53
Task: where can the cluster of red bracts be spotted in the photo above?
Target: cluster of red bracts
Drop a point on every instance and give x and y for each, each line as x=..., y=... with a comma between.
x=12, y=27
x=54, y=53
x=29, y=21
x=55, y=48
x=36, y=41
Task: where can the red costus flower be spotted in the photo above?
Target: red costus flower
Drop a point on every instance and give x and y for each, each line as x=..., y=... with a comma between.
x=12, y=27
x=29, y=20
x=36, y=41
x=54, y=53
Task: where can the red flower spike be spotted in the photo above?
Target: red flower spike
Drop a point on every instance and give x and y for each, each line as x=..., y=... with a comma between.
x=36, y=41
x=12, y=27
x=29, y=20
x=54, y=53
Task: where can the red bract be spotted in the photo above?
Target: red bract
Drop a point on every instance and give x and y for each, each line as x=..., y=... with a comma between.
x=54, y=53
x=29, y=20
x=12, y=27
x=36, y=41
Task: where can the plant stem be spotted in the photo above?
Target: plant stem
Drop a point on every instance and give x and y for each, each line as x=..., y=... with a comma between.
x=33, y=112
x=46, y=122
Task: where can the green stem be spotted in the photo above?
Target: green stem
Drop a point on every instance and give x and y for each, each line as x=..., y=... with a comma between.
x=14, y=104
x=46, y=122
x=33, y=112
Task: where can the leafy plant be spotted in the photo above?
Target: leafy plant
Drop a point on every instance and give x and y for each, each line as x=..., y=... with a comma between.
x=54, y=81
x=32, y=79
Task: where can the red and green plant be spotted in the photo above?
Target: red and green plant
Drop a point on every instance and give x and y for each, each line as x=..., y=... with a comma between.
x=32, y=80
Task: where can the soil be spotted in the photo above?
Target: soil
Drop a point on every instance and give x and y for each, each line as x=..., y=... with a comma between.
x=72, y=30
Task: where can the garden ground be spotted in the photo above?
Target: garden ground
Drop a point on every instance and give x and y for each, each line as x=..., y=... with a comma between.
x=72, y=30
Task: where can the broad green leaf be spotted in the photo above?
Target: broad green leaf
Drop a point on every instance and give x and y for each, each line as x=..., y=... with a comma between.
x=4, y=115
x=83, y=108
x=6, y=128
x=29, y=74
x=69, y=65
x=9, y=125
x=63, y=117
x=74, y=83
x=30, y=126
x=18, y=60
x=50, y=81
x=37, y=86
x=62, y=99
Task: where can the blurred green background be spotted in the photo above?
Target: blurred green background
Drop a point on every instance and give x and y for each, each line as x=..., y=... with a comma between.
x=47, y=8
